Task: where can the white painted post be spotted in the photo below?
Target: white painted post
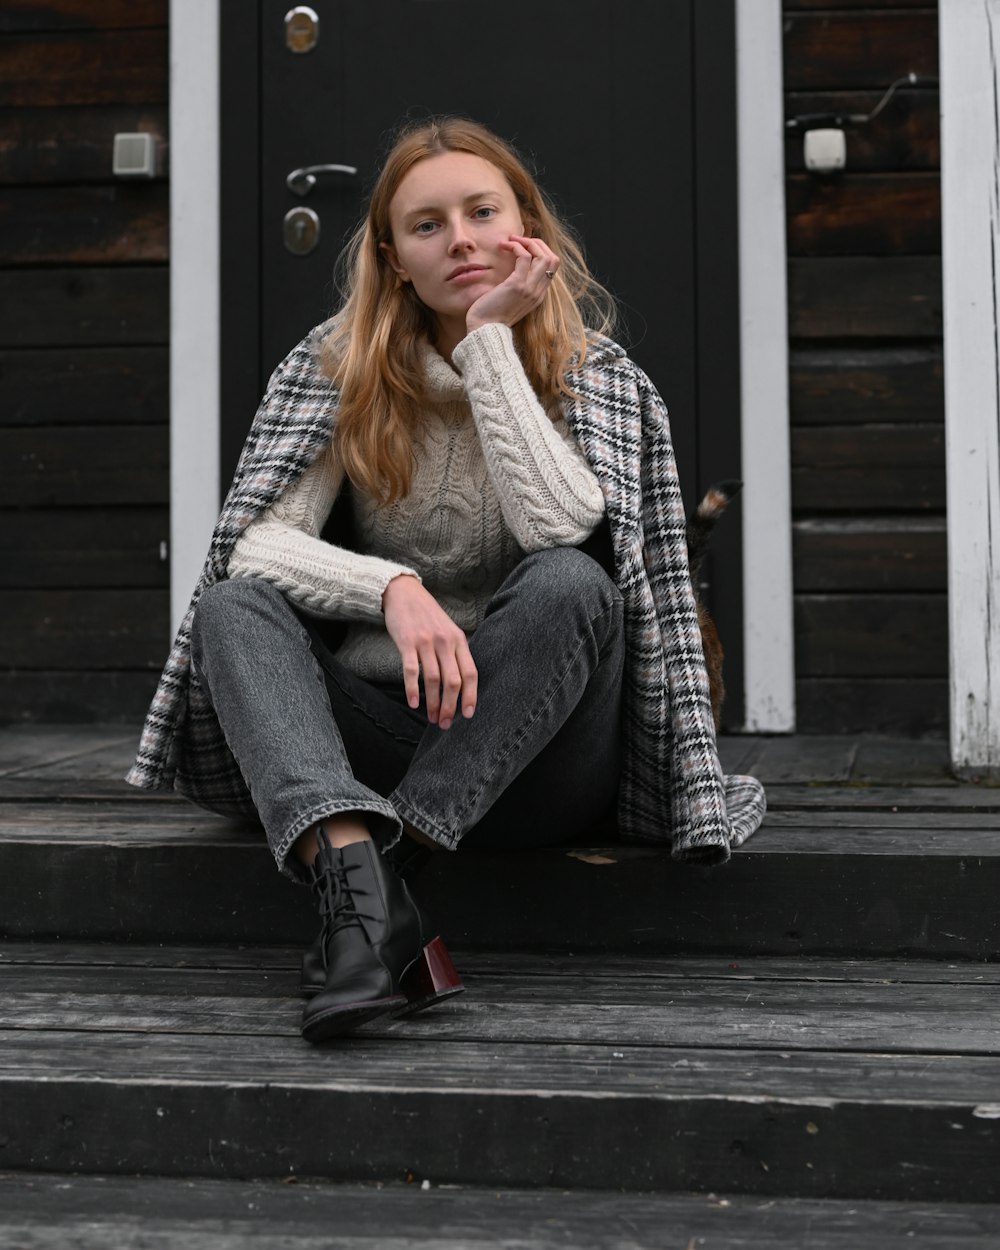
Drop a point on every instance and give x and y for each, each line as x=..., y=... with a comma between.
x=970, y=141
x=768, y=630
x=194, y=291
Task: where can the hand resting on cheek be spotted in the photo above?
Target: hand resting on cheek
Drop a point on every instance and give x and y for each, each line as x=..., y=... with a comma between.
x=522, y=291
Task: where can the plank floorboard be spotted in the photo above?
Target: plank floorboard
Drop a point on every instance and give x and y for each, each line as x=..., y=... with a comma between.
x=35, y=789
x=802, y=758
x=55, y=783
x=102, y=1211
x=875, y=837
x=783, y=1122
x=882, y=818
x=30, y=747
x=888, y=1018
x=599, y=1071
x=862, y=891
x=935, y=798
x=816, y=758
x=131, y=957
x=913, y=762
x=107, y=763
x=94, y=821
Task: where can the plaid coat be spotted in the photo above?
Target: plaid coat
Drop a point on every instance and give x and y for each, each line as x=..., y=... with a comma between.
x=672, y=789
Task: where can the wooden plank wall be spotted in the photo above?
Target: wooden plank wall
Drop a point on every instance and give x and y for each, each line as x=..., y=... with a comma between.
x=867, y=402
x=83, y=361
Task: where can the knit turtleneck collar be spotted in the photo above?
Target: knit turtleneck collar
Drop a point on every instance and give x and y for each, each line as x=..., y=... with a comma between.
x=443, y=383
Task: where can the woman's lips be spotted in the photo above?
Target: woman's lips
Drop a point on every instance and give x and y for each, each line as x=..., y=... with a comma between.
x=468, y=274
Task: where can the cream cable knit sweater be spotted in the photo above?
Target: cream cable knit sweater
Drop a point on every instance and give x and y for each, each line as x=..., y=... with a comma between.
x=495, y=477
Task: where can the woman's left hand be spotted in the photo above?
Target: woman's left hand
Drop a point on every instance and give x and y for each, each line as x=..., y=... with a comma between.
x=522, y=291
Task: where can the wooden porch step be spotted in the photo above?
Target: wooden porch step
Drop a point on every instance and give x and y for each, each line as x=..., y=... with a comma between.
x=45, y=1212
x=796, y=1078
x=835, y=870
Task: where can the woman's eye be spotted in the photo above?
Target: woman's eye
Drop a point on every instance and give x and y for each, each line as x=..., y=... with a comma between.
x=484, y=211
x=423, y=227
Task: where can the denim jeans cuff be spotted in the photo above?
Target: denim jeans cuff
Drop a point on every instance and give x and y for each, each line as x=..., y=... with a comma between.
x=423, y=823
x=383, y=837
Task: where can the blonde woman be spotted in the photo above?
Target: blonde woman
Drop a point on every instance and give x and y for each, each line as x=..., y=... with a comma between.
x=447, y=669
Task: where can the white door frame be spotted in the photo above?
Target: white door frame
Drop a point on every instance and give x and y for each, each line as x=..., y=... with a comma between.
x=194, y=292
x=194, y=335
x=970, y=190
x=768, y=622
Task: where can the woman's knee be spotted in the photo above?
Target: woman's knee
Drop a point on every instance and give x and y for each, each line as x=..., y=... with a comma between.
x=224, y=604
x=561, y=574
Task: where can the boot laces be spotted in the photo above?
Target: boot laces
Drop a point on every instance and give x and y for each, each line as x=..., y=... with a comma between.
x=338, y=905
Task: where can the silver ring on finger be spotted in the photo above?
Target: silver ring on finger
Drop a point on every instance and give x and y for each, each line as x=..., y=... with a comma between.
x=550, y=273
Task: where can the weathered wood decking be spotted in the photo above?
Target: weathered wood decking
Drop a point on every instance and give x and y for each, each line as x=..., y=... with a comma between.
x=864, y=851
x=40, y=1212
x=809, y=1078
x=812, y=1027
x=99, y=754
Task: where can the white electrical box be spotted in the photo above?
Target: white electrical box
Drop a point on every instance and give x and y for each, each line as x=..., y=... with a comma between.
x=134, y=156
x=825, y=150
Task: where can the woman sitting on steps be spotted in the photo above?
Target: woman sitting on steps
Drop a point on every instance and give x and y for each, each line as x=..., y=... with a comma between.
x=519, y=652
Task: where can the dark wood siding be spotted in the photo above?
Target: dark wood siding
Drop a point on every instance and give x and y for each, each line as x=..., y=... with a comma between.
x=867, y=401
x=83, y=361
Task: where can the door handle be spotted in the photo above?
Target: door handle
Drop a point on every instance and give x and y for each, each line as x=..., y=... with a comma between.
x=302, y=181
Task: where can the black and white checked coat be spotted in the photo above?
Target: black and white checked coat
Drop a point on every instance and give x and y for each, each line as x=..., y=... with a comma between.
x=672, y=789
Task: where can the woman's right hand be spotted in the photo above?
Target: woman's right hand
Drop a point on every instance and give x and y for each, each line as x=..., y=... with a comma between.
x=431, y=643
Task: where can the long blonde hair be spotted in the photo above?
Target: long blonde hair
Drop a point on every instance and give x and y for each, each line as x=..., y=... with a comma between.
x=373, y=349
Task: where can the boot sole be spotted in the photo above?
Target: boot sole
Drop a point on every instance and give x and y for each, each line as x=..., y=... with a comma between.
x=337, y=1021
x=410, y=1006
x=428, y=980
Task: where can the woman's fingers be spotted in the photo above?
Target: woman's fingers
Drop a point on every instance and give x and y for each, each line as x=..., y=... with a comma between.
x=411, y=677
x=459, y=684
x=432, y=647
x=536, y=261
x=538, y=251
x=470, y=681
x=521, y=292
x=528, y=249
x=518, y=246
x=451, y=688
x=432, y=683
x=451, y=681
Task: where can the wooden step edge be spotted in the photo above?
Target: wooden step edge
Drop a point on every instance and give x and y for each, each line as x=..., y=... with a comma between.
x=899, y=903
x=419, y=1213
x=249, y=1122
x=249, y=958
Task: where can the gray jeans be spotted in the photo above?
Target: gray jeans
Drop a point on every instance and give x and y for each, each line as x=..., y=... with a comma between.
x=536, y=765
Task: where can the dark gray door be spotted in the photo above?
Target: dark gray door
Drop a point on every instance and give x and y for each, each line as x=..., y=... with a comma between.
x=597, y=94
x=612, y=103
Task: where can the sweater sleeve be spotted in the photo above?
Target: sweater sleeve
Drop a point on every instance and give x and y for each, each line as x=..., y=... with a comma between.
x=548, y=494
x=283, y=546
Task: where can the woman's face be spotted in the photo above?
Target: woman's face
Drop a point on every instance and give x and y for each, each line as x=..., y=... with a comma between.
x=448, y=218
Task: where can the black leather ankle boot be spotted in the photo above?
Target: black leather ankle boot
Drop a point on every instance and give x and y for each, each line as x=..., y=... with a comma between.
x=372, y=933
x=406, y=858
